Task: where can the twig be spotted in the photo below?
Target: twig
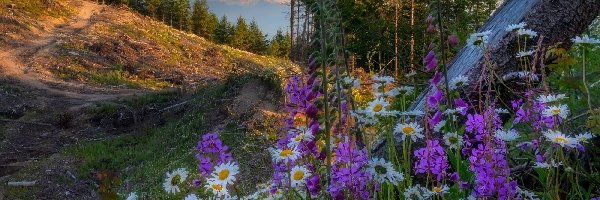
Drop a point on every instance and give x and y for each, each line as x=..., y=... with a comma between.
x=25, y=122
x=21, y=183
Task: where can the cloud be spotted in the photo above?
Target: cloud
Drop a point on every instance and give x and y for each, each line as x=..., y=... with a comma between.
x=278, y=1
x=251, y=2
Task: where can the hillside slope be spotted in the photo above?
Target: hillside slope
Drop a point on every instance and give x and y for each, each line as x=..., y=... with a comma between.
x=88, y=89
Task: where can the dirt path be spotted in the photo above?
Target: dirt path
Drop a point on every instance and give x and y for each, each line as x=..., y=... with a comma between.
x=15, y=63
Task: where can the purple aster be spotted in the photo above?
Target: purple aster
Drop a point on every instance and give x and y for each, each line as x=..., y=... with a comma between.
x=431, y=159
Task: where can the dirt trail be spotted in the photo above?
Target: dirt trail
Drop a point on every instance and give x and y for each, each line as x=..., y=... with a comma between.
x=15, y=62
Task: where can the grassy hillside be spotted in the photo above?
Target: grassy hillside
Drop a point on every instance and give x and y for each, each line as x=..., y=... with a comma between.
x=106, y=149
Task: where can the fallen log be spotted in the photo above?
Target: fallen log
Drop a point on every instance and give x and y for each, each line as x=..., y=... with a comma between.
x=557, y=20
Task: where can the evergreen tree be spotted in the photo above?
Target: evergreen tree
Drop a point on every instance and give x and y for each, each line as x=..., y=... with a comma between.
x=224, y=31
x=258, y=41
x=204, y=23
x=280, y=45
x=241, y=36
x=152, y=7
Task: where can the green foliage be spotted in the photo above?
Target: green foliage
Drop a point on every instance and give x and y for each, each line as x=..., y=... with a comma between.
x=241, y=36
x=280, y=45
x=224, y=31
x=204, y=23
x=258, y=40
x=143, y=159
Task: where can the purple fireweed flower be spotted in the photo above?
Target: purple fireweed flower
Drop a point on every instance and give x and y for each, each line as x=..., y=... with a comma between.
x=348, y=172
x=313, y=185
x=429, y=57
x=434, y=99
x=431, y=65
x=429, y=19
x=431, y=28
x=435, y=80
x=431, y=159
x=475, y=124
x=454, y=177
x=453, y=40
x=435, y=119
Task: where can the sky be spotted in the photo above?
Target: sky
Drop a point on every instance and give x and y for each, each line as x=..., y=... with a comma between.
x=269, y=14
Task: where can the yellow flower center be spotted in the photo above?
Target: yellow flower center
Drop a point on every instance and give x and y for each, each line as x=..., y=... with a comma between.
x=298, y=175
x=453, y=139
x=286, y=153
x=176, y=179
x=561, y=140
x=223, y=174
x=408, y=130
x=378, y=108
x=437, y=189
x=217, y=187
x=299, y=137
x=556, y=111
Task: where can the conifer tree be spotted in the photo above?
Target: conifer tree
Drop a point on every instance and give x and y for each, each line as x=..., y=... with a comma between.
x=224, y=31
x=204, y=23
x=258, y=41
x=241, y=36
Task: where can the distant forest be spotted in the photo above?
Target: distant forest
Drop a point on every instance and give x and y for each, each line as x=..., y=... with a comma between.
x=197, y=18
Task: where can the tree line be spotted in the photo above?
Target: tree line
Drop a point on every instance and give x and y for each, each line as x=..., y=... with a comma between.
x=198, y=19
x=389, y=34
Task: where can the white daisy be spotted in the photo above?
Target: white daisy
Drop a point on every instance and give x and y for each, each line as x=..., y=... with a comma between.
x=585, y=39
x=501, y=111
x=584, y=137
x=383, y=171
x=392, y=93
x=454, y=111
x=440, y=190
x=285, y=155
x=525, y=53
x=458, y=82
x=191, y=197
x=559, y=138
x=383, y=79
x=416, y=113
x=132, y=196
x=417, y=193
x=543, y=165
x=479, y=39
x=171, y=184
x=439, y=126
x=277, y=195
x=407, y=90
x=525, y=194
x=303, y=134
x=506, y=135
x=546, y=165
x=516, y=27
x=453, y=140
x=355, y=83
x=520, y=75
x=224, y=173
x=216, y=188
x=377, y=107
x=551, y=98
x=527, y=32
x=411, y=73
x=299, y=175
x=561, y=111
x=412, y=130
x=376, y=87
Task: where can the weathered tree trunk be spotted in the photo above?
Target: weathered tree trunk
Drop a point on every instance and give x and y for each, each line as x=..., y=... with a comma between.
x=556, y=20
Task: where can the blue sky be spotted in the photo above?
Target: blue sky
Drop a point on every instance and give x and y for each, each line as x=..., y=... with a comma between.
x=269, y=14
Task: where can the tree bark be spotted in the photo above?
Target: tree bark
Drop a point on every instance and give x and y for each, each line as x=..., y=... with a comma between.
x=558, y=21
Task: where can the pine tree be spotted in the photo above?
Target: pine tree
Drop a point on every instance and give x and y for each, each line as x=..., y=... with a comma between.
x=152, y=7
x=241, y=35
x=258, y=41
x=224, y=31
x=204, y=23
x=280, y=45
